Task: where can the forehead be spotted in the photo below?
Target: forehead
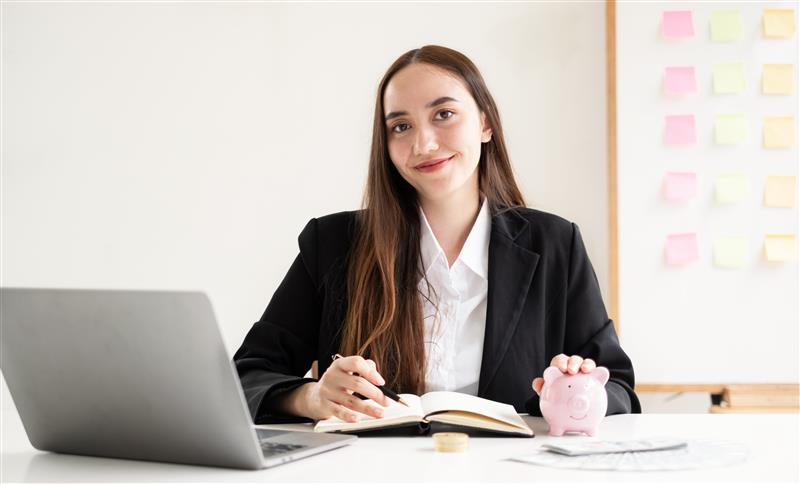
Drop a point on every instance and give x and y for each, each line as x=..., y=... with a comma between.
x=415, y=85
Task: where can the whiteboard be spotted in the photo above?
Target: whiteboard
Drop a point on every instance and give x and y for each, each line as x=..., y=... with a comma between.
x=698, y=323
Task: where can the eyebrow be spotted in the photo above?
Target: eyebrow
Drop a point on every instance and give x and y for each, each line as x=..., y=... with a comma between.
x=431, y=104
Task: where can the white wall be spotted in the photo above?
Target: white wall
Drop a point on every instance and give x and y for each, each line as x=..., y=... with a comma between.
x=184, y=146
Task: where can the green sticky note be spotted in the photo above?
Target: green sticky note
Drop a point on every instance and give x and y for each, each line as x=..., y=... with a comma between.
x=726, y=26
x=732, y=188
x=730, y=129
x=729, y=78
x=730, y=251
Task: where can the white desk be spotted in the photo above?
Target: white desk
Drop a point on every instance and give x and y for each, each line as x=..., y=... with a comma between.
x=772, y=440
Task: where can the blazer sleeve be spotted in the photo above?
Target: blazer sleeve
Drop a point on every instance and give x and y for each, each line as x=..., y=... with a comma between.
x=589, y=333
x=279, y=348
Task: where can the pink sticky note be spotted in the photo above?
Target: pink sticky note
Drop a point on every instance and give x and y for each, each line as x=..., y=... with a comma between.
x=679, y=129
x=677, y=23
x=681, y=249
x=680, y=186
x=679, y=80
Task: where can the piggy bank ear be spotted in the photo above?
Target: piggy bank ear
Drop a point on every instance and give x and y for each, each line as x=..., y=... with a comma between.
x=600, y=374
x=551, y=373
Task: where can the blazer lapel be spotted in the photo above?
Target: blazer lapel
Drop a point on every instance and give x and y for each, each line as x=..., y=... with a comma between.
x=511, y=269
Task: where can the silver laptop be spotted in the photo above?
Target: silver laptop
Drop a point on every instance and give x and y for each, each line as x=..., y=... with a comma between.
x=134, y=375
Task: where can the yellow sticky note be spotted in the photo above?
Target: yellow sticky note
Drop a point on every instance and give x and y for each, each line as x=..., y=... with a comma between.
x=780, y=191
x=780, y=247
x=730, y=251
x=731, y=188
x=726, y=25
x=729, y=78
x=730, y=129
x=777, y=79
x=779, y=132
x=778, y=22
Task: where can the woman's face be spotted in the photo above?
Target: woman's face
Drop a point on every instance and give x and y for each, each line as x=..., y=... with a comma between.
x=430, y=116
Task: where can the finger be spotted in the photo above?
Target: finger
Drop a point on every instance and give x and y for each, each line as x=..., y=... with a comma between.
x=560, y=361
x=538, y=383
x=362, y=406
x=574, y=364
x=588, y=365
x=376, y=377
x=343, y=413
x=357, y=364
x=364, y=387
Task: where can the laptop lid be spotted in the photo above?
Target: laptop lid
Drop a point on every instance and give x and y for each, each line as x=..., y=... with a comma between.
x=127, y=374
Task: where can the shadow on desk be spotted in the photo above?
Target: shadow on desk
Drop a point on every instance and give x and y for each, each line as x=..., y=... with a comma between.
x=51, y=467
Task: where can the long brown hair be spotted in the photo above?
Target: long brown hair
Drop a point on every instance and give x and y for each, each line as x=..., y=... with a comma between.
x=384, y=319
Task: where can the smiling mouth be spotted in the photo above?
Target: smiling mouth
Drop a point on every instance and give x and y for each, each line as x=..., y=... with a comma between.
x=432, y=165
x=578, y=418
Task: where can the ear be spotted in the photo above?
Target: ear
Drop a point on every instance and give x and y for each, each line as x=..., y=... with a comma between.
x=486, y=131
x=600, y=374
x=551, y=373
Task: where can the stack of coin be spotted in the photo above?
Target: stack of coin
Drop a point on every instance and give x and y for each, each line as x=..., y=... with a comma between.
x=450, y=441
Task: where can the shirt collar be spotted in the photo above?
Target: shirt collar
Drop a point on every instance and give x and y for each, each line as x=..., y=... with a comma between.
x=474, y=254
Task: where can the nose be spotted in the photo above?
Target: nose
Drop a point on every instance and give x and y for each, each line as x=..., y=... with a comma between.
x=578, y=403
x=425, y=141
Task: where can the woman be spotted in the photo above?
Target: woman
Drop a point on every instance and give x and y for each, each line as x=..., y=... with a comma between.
x=443, y=281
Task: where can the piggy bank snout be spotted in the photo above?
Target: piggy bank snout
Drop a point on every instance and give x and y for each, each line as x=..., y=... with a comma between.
x=578, y=403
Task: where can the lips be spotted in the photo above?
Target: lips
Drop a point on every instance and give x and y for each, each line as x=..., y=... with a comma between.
x=578, y=418
x=432, y=163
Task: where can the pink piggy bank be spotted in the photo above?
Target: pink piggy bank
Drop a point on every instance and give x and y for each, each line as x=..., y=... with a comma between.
x=574, y=403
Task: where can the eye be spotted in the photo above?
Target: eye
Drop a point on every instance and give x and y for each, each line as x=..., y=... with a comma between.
x=446, y=111
x=449, y=113
x=394, y=128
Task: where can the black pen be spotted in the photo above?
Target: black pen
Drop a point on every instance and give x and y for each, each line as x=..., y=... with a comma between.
x=382, y=388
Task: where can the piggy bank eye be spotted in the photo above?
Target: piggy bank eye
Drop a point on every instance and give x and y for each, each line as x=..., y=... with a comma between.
x=569, y=386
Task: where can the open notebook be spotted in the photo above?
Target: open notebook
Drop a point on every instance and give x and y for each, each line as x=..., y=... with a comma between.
x=451, y=408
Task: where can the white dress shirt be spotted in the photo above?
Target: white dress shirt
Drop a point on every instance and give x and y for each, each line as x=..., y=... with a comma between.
x=454, y=334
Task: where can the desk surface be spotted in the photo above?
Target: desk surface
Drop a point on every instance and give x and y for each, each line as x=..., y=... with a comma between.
x=772, y=441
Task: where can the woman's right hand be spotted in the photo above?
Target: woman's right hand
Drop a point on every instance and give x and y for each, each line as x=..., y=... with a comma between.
x=333, y=395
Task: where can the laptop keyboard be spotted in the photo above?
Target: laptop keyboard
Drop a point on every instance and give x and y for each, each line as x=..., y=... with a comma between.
x=269, y=447
x=275, y=448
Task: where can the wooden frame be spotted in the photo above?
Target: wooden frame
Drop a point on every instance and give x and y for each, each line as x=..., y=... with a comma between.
x=611, y=123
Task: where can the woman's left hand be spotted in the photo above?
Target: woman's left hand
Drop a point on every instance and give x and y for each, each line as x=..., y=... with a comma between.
x=567, y=364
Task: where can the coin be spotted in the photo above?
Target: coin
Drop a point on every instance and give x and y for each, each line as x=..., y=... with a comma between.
x=450, y=441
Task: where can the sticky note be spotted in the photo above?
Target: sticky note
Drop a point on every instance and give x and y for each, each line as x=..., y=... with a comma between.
x=680, y=186
x=681, y=249
x=728, y=78
x=679, y=129
x=679, y=80
x=726, y=25
x=730, y=251
x=780, y=247
x=779, y=132
x=778, y=22
x=730, y=129
x=731, y=188
x=780, y=191
x=677, y=24
x=777, y=79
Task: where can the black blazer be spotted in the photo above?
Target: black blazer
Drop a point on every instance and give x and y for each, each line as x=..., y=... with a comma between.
x=543, y=299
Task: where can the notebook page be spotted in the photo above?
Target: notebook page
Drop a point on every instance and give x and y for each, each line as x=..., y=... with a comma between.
x=443, y=401
x=394, y=413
